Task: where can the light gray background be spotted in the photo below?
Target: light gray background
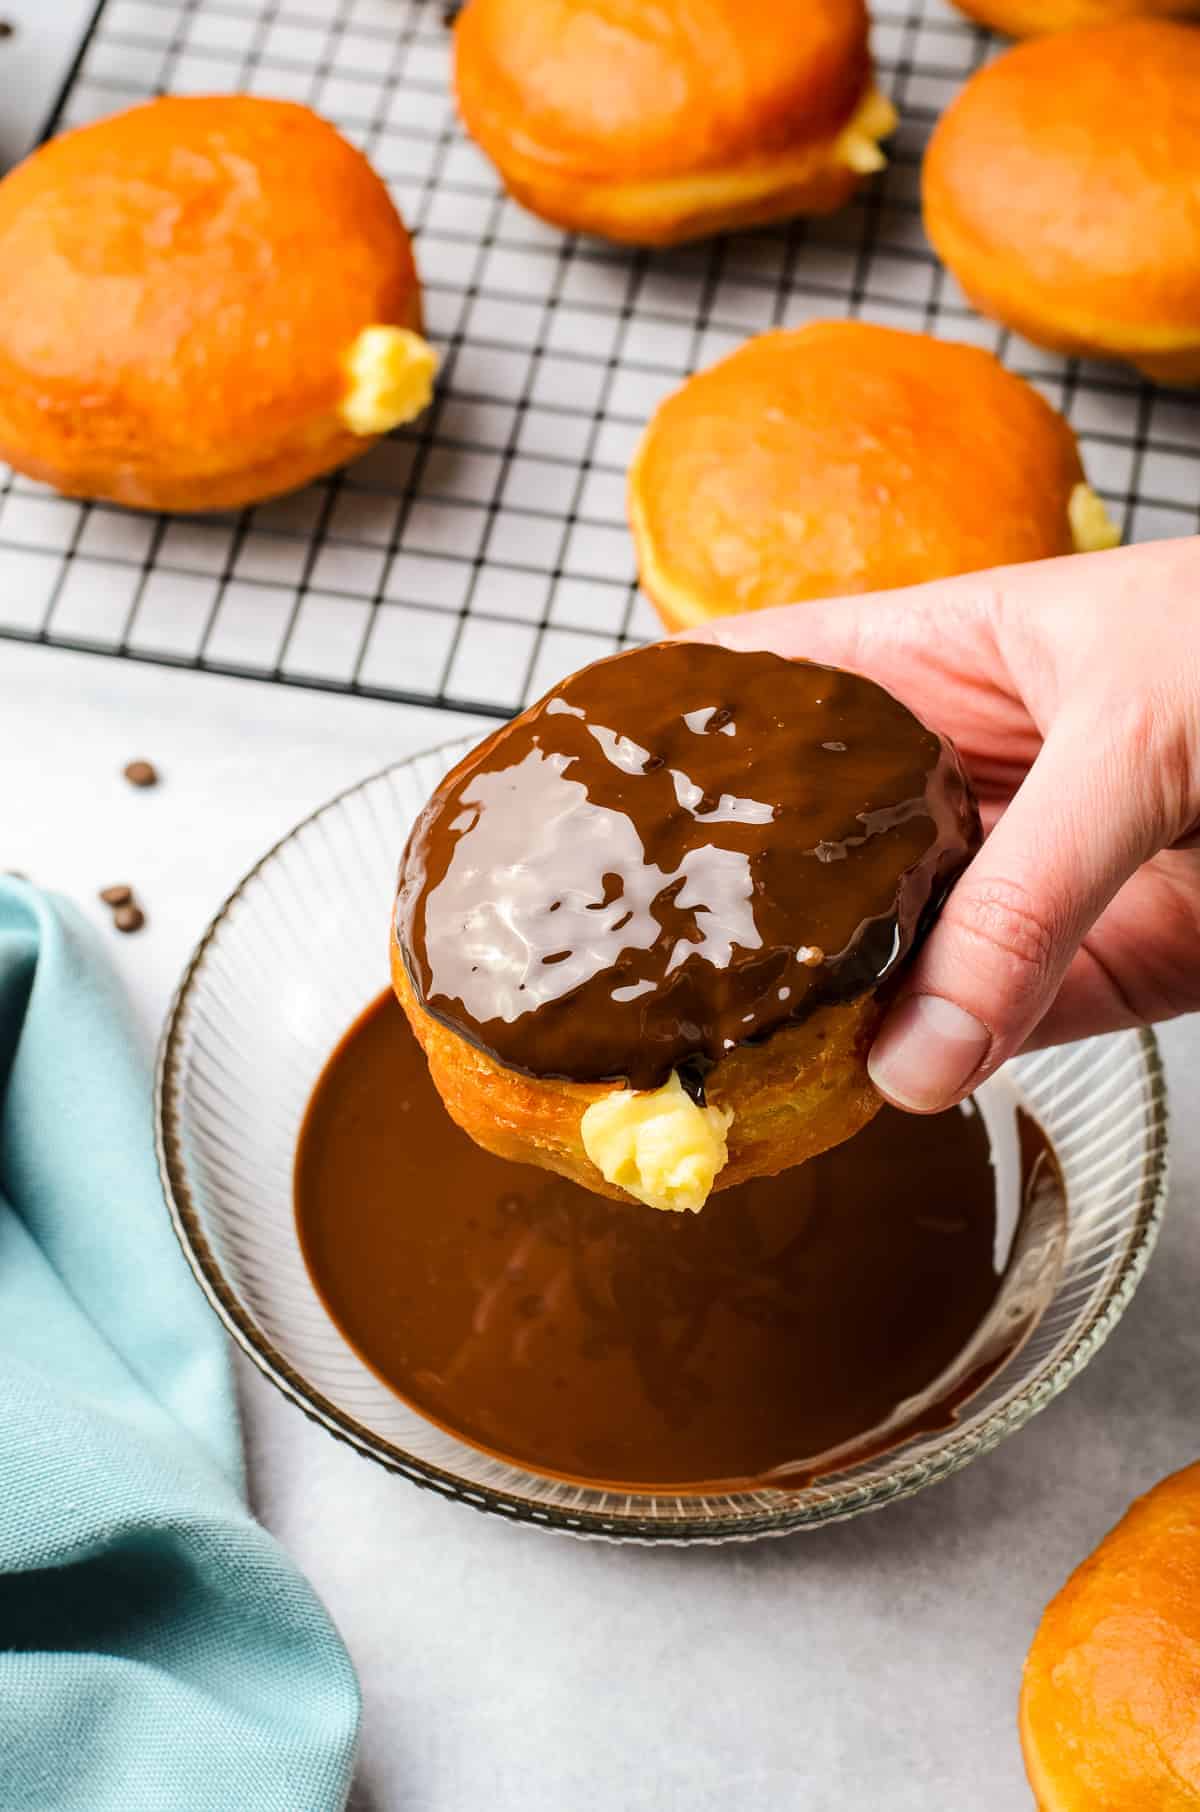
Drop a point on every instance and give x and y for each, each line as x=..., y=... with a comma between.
x=868, y=1665
x=33, y=63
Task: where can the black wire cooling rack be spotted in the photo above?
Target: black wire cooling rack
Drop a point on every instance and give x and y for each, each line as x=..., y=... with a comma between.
x=473, y=559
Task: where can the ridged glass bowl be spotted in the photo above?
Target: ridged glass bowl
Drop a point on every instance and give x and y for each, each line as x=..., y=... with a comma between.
x=290, y=961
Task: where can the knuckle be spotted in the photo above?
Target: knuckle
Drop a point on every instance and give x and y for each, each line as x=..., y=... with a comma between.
x=1008, y=930
x=1153, y=756
x=1141, y=726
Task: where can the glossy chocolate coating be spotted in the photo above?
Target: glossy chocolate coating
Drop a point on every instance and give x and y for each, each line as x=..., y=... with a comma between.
x=675, y=852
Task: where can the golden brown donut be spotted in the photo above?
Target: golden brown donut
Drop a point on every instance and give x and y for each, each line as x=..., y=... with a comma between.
x=655, y=124
x=802, y=1093
x=843, y=457
x=1060, y=188
x=1033, y=18
x=1112, y=1683
x=206, y=302
x=645, y=932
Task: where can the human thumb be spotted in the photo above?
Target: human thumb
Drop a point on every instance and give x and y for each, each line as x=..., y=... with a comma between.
x=1081, y=823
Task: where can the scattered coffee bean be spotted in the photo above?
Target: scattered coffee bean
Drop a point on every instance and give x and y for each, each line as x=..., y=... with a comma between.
x=141, y=773
x=7, y=28
x=127, y=914
x=450, y=13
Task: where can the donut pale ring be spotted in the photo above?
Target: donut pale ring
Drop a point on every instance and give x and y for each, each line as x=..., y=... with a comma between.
x=206, y=302
x=843, y=457
x=803, y=1092
x=1112, y=1682
x=658, y=124
x=1060, y=188
x=1033, y=18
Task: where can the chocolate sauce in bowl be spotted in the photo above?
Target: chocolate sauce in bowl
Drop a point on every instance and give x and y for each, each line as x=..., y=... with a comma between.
x=798, y=1323
x=676, y=852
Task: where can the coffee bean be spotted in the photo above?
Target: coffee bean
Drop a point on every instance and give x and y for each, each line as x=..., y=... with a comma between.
x=7, y=28
x=129, y=918
x=141, y=773
x=116, y=896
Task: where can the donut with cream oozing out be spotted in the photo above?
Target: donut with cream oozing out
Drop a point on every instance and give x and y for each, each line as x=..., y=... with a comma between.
x=645, y=931
x=655, y=125
x=843, y=457
x=208, y=300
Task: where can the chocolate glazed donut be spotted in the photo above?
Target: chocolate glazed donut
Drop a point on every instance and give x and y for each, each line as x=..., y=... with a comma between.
x=683, y=865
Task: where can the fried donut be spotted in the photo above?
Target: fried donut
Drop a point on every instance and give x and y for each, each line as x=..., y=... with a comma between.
x=1112, y=1681
x=1060, y=188
x=206, y=302
x=1033, y=18
x=843, y=457
x=658, y=124
x=644, y=933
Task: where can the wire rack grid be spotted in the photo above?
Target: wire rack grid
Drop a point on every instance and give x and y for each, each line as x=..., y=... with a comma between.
x=473, y=559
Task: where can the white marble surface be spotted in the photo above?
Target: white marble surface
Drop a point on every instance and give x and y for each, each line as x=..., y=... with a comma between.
x=868, y=1665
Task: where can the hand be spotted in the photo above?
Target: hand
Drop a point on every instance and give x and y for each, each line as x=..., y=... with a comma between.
x=1072, y=689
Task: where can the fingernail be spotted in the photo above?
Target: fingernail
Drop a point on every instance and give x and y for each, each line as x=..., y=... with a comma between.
x=926, y=1053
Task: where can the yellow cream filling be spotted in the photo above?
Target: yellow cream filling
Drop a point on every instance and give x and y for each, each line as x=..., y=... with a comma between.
x=657, y=1144
x=391, y=372
x=857, y=144
x=1092, y=528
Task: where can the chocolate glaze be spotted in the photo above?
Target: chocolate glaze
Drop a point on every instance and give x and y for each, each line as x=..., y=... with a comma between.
x=799, y=1323
x=675, y=852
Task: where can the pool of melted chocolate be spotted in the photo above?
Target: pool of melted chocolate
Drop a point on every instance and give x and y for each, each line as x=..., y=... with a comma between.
x=795, y=1325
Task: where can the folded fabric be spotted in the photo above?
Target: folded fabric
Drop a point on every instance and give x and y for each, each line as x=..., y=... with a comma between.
x=158, y=1650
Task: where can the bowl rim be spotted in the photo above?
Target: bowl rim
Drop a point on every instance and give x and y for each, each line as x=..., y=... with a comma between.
x=852, y=1498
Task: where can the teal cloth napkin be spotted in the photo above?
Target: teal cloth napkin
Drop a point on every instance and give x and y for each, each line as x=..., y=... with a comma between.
x=158, y=1650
